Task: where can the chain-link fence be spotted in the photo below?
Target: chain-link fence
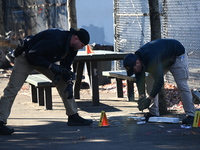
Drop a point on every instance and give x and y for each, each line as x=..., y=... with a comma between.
x=29, y=17
x=179, y=20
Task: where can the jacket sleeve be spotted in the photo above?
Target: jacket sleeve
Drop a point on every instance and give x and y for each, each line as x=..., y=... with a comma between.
x=140, y=82
x=158, y=77
x=68, y=60
x=39, y=53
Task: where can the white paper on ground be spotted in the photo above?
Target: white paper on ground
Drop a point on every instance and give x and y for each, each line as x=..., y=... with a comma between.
x=137, y=118
x=141, y=122
x=163, y=119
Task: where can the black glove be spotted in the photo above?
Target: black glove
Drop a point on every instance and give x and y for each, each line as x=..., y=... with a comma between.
x=69, y=90
x=19, y=50
x=68, y=76
x=143, y=103
x=56, y=69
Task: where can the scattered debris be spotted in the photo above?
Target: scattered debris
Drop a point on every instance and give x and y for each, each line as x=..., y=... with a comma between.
x=82, y=138
x=137, y=118
x=161, y=126
x=164, y=119
x=196, y=95
x=185, y=126
x=141, y=122
x=172, y=96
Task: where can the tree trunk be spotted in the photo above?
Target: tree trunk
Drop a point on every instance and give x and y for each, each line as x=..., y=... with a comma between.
x=71, y=8
x=2, y=30
x=156, y=34
x=154, y=19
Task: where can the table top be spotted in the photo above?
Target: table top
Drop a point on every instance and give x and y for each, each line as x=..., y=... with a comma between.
x=120, y=74
x=100, y=55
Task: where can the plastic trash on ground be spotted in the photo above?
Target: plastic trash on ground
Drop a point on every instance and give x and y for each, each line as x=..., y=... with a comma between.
x=164, y=119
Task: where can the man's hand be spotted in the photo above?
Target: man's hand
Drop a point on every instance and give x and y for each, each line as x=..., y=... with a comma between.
x=56, y=69
x=143, y=103
x=69, y=90
x=60, y=71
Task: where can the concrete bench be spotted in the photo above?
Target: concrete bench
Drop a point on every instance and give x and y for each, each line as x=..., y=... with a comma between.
x=120, y=75
x=41, y=90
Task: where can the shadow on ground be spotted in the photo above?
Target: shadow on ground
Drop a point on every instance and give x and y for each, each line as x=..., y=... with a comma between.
x=122, y=133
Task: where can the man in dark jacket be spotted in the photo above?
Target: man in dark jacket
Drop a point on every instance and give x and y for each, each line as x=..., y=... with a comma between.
x=40, y=53
x=157, y=57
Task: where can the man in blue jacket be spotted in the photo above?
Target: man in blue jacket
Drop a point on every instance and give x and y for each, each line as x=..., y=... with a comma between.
x=157, y=57
x=40, y=53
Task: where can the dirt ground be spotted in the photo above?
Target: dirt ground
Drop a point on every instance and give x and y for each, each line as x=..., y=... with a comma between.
x=107, y=91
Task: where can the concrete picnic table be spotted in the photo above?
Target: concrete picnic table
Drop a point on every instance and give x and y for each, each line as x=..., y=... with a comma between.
x=91, y=62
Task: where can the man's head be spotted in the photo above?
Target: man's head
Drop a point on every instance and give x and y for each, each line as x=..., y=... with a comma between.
x=132, y=64
x=80, y=38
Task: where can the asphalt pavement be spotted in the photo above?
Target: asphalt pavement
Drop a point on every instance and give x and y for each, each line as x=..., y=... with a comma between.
x=37, y=128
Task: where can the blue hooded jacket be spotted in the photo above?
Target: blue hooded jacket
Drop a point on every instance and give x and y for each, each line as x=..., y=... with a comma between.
x=156, y=56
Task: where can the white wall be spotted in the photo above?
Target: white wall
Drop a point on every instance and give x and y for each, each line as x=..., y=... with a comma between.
x=96, y=16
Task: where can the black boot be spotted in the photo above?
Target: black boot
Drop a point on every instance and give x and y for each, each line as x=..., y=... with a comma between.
x=4, y=130
x=147, y=116
x=188, y=120
x=76, y=120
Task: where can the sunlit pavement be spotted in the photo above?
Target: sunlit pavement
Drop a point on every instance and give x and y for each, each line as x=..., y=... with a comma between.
x=37, y=128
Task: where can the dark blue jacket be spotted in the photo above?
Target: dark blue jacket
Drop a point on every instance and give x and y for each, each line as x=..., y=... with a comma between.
x=156, y=57
x=50, y=46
